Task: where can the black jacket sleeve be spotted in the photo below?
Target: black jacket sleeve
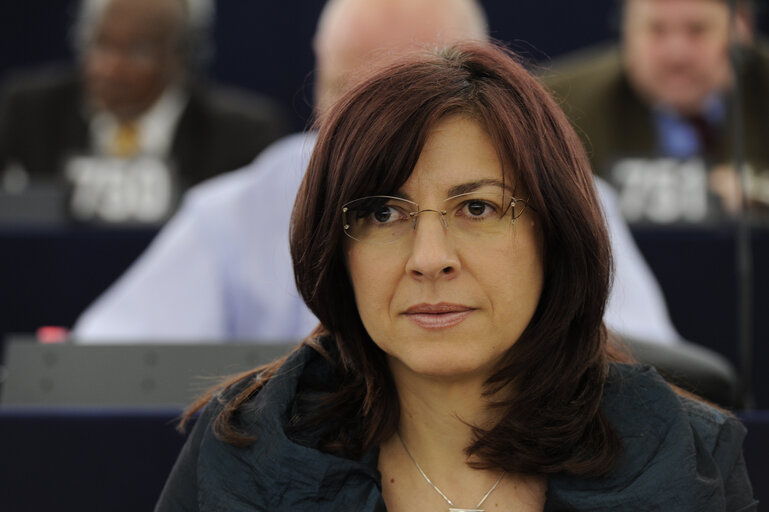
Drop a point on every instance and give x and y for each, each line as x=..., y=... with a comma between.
x=180, y=492
x=737, y=489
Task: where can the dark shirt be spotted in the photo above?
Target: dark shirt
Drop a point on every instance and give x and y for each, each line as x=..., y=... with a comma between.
x=678, y=454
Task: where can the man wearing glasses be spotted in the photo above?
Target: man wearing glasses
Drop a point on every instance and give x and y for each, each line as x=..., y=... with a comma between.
x=133, y=128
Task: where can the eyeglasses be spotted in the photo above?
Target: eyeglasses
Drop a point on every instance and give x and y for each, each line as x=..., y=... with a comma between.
x=384, y=220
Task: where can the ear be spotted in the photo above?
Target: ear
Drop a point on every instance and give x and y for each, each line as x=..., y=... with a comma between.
x=743, y=25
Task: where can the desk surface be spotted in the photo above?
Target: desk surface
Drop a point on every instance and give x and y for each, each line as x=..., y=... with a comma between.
x=125, y=375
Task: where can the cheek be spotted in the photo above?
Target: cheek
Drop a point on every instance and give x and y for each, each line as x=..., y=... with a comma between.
x=372, y=280
x=148, y=76
x=716, y=59
x=518, y=275
x=523, y=287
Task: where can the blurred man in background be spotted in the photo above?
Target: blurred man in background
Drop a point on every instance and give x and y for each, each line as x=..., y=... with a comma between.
x=135, y=126
x=221, y=269
x=657, y=112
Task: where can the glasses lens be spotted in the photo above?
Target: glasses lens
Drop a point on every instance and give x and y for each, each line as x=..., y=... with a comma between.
x=385, y=219
x=378, y=219
x=480, y=213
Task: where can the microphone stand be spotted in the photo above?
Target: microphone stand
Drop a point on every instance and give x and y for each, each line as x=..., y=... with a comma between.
x=743, y=249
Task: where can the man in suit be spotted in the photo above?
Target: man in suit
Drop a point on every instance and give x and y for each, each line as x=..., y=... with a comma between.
x=135, y=126
x=657, y=111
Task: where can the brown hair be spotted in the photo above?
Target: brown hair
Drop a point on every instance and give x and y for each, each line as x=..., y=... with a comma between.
x=368, y=144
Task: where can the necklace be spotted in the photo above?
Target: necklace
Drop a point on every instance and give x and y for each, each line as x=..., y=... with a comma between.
x=452, y=506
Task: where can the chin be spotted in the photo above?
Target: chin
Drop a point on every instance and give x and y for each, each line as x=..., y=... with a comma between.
x=448, y=366
x=685, y=106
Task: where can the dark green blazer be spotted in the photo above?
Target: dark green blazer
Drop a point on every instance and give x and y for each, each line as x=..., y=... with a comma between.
x=678, y=454
x=615, y=123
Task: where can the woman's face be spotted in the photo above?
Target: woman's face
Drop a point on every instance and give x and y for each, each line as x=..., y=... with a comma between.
x=448, y=302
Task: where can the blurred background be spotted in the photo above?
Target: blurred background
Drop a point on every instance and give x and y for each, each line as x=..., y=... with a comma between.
x=51, y=271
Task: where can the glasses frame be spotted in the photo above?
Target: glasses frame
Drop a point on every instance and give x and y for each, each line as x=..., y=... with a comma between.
x=414, y=214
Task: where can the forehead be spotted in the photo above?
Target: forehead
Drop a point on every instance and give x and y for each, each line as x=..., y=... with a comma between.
x=352, y=32
x=458, y=151
x=675, y=11
x=141, y=19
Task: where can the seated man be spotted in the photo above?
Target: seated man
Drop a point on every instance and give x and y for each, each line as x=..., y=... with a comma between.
x=657, y=112
x=134, y=127
x=221, y=269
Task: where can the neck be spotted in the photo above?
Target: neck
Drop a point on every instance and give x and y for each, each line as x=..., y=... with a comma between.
x=437, y=416
x=435, y=425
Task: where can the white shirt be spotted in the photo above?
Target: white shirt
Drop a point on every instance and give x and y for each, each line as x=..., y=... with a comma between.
x=156, y=126
x=140, y=188
x=221, y=269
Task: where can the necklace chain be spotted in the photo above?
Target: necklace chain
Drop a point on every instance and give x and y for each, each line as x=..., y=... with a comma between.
x=448, y=500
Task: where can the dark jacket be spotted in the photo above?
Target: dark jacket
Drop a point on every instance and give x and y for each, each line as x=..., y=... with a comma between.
x=678, y=454
x=43, y=122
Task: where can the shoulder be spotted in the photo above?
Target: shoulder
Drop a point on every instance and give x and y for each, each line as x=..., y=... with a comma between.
x=263, y=413
x=44, y=80
x=586, y=80
x=53, y=85
x=638, y=391
x=277, y=384
x=279, y=471
x=681, y=446
x=276, y=172
x=756, y=63
x=594, y=65
x=677, y=453
x=237, y=106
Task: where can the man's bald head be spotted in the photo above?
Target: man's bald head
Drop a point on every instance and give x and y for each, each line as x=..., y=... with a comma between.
x=353, y=32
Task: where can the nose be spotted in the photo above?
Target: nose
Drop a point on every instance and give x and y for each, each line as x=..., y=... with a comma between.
x=433, y=254
x=678, y=46
x=107, y=63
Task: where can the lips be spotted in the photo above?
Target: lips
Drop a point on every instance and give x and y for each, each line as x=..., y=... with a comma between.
x=438, y=316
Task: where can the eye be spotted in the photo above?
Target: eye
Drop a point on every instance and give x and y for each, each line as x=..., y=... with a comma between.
x=478, y=209
x=384, y=214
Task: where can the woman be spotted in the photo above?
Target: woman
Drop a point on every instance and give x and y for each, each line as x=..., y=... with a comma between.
x=448, y=237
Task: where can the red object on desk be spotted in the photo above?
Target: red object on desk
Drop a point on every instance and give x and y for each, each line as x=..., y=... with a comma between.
x=52, y=334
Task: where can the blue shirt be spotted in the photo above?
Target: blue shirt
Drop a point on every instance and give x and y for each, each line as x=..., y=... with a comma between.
x=676, y=135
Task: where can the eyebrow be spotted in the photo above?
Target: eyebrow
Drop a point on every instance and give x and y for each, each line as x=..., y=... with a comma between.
x=465, y=188
x=472, y=186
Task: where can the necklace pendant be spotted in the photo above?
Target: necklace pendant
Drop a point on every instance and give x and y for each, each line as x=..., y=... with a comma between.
x=467, y=510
